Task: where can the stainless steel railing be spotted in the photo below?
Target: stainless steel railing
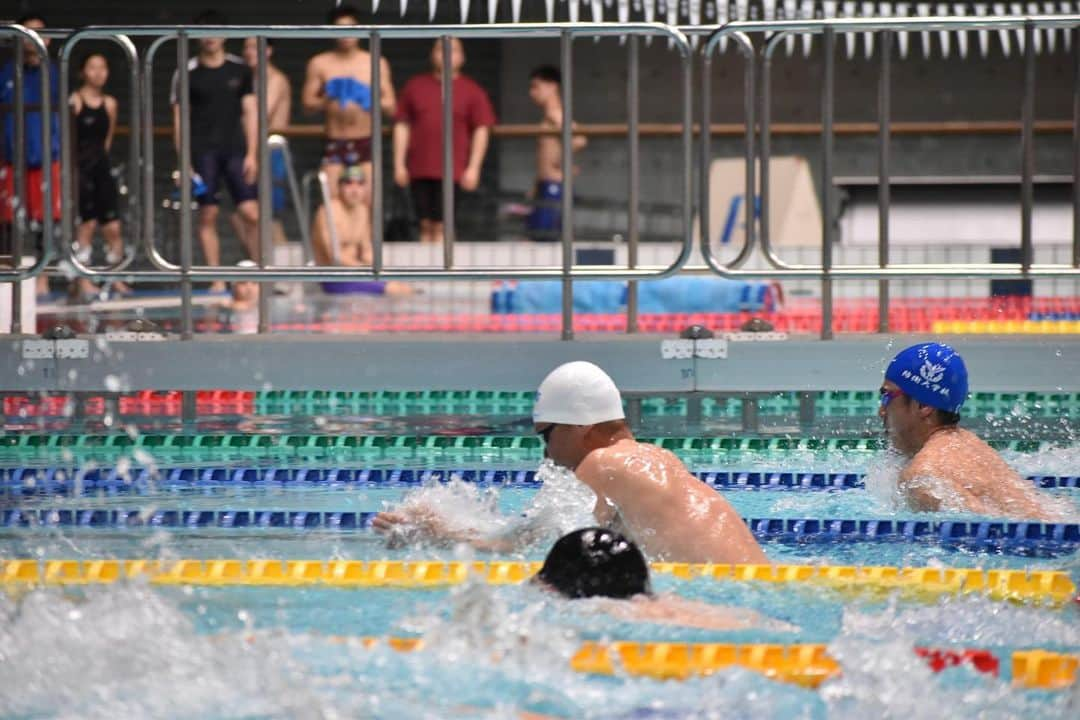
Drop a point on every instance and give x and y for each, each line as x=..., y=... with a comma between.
x=776, y=32
x=186, y=272
x=18, y=225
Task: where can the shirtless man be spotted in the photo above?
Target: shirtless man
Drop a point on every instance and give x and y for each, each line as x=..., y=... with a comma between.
x=338, y=84
x=641, y=489
x=351, y=218
x=545, y=90
x=949, y=468
x=352, y=223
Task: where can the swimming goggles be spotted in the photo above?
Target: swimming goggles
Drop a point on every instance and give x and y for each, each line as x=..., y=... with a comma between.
x=887, y=396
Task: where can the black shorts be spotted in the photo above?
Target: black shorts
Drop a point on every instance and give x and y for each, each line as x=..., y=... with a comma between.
x=98, y=198
x=427, y=199
x=216, y=166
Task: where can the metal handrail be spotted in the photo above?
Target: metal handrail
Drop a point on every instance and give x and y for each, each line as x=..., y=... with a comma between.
x=565, y=32
x=17, y=274
x=738, y=31
x=280, y=143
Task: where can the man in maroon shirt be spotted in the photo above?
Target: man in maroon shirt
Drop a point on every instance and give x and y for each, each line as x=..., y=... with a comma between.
x=418, y=143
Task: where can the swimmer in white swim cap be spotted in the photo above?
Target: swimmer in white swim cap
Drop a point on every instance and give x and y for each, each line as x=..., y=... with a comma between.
x=641, y=489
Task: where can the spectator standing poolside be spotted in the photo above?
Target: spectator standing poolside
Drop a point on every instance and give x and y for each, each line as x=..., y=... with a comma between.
x=223, y=139
x=338, y=84
x=418, y=145
x=949, y=468
x=545, y=90
x=94, y=117
x=35, y=176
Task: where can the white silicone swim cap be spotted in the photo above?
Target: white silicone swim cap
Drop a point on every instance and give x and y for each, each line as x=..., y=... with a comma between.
x=577, y=393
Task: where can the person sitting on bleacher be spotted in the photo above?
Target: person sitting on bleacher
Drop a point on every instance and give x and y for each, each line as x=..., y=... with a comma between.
x=341, y=235
x=949, y=468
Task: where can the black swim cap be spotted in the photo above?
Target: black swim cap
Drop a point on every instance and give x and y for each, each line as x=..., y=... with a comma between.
x=596, y=562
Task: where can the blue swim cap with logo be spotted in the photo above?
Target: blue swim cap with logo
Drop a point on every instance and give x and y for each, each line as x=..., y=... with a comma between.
x=931, y=373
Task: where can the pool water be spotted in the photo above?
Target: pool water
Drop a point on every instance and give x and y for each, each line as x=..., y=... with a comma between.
x=136, y=649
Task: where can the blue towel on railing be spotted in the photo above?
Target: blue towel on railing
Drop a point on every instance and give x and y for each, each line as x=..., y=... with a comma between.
x=671, y=295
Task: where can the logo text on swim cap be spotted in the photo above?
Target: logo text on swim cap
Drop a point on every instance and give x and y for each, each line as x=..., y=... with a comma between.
x=926, y=383
x=932, y=372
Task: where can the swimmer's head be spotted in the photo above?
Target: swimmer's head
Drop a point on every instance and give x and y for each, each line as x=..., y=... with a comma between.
x=594, y=562
x=352, y=185
x=577, y=409
x=245, y=291
x=344, y=15
x=925, y=386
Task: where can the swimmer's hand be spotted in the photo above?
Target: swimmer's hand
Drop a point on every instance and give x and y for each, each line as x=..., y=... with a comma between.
x=407, y=526
x=411, y=525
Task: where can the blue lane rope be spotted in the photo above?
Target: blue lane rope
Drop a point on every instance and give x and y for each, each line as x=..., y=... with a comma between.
x=985, y=535
x=29, y=480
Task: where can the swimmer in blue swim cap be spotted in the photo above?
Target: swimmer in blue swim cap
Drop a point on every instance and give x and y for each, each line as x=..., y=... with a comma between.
x=949, y=468
x=640, y=488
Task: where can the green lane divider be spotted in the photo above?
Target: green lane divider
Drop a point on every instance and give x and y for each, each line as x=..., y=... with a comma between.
x=245, y=447
x=826, y=404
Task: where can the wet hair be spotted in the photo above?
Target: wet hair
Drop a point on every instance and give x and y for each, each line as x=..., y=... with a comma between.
x=88, y=57
x=594, y=562
x=342, y=11
x=211, y=17
x=944, y=417
x=27, y=17
x=547, y=73
x=948, y=418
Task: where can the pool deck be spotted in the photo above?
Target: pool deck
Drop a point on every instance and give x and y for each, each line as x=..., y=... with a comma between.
x=997, y=363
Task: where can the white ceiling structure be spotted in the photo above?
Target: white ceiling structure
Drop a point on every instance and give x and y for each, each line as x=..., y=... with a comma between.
x=711, y=12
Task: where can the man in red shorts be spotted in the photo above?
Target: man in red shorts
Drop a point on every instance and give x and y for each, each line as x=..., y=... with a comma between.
x=418, y=146
x=34, y=148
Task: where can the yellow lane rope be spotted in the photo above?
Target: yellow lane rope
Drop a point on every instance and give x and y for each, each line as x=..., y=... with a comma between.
x=807, y=665
x=1042, y=586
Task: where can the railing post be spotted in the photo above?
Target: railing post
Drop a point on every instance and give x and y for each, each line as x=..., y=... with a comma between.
x=566, y=52
x=1027, y=148
x=884, y=111
x=1076, y=147
x=633, y=117
x=265, y=197
x=827, y=97
x=449, y=230
x=375, y=49
x=18, y=214
x=186, y=323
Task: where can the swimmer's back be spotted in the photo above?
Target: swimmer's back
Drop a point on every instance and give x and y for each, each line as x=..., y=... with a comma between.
x=672, y=514
x=957, y=471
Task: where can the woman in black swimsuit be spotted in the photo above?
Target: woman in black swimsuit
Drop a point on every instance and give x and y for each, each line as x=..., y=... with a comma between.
x=95, y=122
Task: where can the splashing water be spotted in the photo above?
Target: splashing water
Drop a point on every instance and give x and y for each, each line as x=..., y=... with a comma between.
x=126, y=651
x=562, y=504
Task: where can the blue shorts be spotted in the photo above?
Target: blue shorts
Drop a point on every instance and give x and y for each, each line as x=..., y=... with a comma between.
x=355, y=287
x=545, y=220
x=216, y=167
x=280, y=178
